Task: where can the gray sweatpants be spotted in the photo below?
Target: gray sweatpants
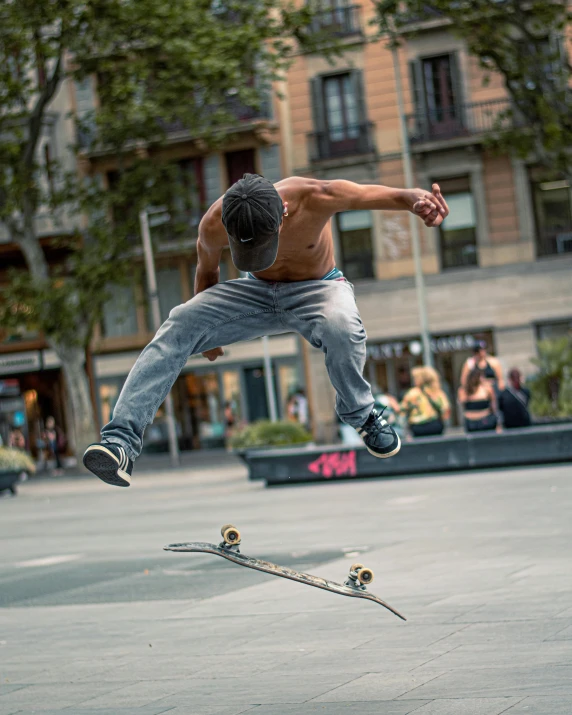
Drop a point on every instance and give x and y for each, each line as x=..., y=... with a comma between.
x=324, y=312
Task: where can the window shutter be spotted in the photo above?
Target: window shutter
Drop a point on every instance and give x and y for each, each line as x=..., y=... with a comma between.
x=318, y=109
x=359, y=94
x=458, y=99
x=419, y=125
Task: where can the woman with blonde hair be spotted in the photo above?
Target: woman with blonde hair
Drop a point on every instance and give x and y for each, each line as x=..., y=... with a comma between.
x=425, y=405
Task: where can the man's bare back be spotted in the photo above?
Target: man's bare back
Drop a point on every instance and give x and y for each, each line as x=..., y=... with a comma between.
x=306, y=249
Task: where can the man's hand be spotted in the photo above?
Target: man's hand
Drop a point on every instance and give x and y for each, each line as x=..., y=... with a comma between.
x=431, y=207
x=213, y=354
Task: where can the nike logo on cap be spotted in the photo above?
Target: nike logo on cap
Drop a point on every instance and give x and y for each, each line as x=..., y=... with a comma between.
x=244, y=240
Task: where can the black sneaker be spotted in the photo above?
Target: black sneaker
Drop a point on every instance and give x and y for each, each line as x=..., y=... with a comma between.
x=109, y=462
x=379, y=437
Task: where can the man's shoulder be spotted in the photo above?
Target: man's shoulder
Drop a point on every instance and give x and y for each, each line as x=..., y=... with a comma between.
x=301, y=185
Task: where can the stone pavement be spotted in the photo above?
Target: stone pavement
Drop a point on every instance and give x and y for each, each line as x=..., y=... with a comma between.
x=96, y=619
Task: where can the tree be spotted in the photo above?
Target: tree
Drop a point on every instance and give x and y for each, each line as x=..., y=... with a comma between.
x=522, y=41
x=156, y=64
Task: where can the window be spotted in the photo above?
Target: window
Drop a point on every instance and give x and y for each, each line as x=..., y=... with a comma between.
x=338, y=17
x=169, y=289
x=437, y=96
x=120, y=313
x=551, y=331
x=340, y=118
x=553, y=209
x=340, y=102
x=459, y=230
x=355, y=237
x=239, y=163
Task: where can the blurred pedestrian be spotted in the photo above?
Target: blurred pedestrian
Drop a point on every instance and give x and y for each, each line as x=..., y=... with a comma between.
x=56, y=443
x=16, y=439
x=425, y=405
x=489, y=366
x=513, y=402
x=478, y=400
x=297, y=408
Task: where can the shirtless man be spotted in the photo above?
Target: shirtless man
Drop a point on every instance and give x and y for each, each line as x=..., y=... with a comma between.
x=281, y=236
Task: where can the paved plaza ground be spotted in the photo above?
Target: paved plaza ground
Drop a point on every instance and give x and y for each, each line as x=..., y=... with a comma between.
x=96, y=619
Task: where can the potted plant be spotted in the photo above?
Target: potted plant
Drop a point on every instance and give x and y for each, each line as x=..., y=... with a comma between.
x=551, y=387
x=13, y=464
x=267, y=434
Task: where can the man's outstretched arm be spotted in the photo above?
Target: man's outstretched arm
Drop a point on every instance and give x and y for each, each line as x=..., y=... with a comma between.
x=342, y=195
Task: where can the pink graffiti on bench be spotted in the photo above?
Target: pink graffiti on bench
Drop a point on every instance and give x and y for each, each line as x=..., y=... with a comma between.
x=335, y=464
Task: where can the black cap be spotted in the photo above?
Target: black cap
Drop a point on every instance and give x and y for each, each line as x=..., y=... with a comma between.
x=252, y=213
x=479, y=345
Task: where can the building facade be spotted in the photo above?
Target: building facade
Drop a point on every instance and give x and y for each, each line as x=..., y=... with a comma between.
x=498, y=269
x=207, y=396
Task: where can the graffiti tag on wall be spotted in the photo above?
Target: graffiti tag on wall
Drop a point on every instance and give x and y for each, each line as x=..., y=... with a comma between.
x=335, y=464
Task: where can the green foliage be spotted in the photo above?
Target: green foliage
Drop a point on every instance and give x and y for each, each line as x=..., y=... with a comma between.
x=270, y=434
x=524, y=42
x=14, y=460
x=551, y=387
x=155, y=65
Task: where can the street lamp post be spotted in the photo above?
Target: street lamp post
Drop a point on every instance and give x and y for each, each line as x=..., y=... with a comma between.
x=156, y=317
x=413, y=220
x=270, y=394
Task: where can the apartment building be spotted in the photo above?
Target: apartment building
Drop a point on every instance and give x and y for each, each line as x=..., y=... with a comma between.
x=31, y=384
x=499, y=269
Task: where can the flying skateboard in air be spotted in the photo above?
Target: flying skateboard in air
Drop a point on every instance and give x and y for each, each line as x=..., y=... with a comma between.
x=355, y=585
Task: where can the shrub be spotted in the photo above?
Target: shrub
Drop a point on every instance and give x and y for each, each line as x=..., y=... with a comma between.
x=14, y=460
x=270, y=434
x=551, y=387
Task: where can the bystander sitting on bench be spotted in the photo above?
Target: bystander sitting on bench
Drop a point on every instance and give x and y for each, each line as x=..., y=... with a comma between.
x=513, y=402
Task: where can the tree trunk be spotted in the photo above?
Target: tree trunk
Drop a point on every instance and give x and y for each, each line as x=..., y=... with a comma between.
x=84, y=431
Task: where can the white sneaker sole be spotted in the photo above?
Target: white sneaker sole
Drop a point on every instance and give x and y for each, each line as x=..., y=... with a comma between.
x=389, y=454
x=105, y=465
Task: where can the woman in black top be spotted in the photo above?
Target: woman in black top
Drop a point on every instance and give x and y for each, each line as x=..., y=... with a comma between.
x=488, y=365
x=478, y=401
x=513, y=402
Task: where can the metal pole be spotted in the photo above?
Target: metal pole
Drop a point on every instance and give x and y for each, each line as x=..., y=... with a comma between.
x=156, y=316
x=270, y=395
x=413, y=220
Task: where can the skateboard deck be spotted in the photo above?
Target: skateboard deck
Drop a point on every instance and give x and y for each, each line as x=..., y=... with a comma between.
x=229, y=548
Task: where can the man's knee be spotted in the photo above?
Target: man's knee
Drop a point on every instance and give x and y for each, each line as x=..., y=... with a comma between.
x=341, y=326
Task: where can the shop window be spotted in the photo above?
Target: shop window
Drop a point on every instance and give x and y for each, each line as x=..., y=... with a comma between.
x=553, y=209
x=356, y=244
x=120, y=313
x=204, y=400
x=288, y=382
x=169, y=289
x=459, y=230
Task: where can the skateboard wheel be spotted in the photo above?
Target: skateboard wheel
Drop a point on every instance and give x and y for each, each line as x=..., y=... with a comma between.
x=365, y=576
x=231, y=535
x=225, y=527
x=356, y=567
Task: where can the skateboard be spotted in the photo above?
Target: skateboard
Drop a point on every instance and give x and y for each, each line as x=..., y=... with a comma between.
x=229, y=548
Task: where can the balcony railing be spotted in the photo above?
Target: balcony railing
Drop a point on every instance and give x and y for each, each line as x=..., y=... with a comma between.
x=87, y=133
x=339, y=21
x=350, y=140
x=554, y=243
x=456, y=121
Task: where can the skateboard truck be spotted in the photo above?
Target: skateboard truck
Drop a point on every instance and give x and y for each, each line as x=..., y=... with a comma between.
x=359, y=577
x=230, y=538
